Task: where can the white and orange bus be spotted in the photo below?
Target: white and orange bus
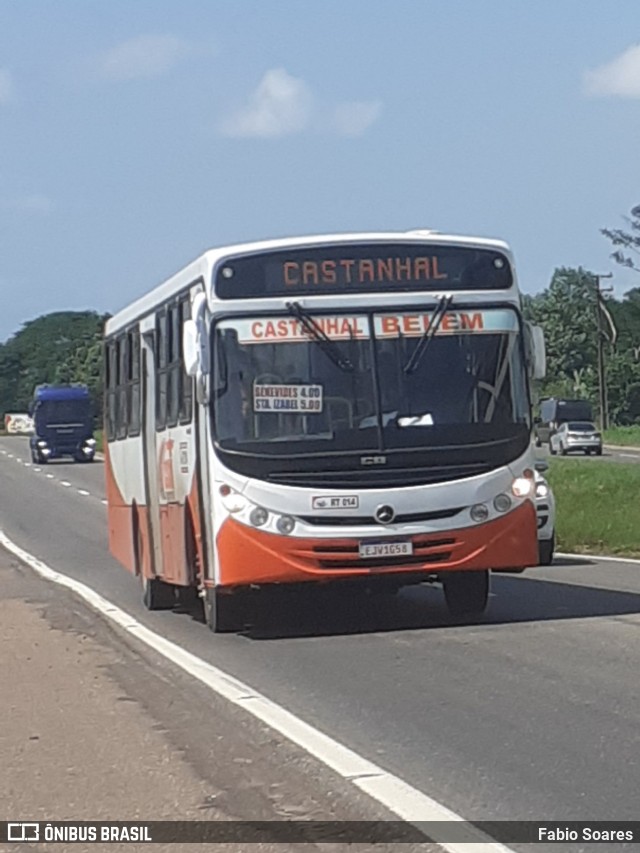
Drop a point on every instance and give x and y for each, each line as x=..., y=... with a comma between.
x=322, y=409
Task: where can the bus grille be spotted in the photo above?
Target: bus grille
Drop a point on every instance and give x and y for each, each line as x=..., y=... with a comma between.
x=363, y=520
x=346, y=556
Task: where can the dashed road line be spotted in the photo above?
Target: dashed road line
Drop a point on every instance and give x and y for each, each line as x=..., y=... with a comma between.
x=37, y=469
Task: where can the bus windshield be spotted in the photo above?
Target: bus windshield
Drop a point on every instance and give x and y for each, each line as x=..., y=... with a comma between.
x=367, y=381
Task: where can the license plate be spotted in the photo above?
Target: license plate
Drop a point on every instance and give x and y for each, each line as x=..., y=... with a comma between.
x=385, y=549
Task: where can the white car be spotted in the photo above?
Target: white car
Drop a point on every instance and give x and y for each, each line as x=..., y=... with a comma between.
x=546, y=511
x=576, y=435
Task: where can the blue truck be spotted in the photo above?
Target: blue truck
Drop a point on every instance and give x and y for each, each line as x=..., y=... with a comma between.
x=63, y=423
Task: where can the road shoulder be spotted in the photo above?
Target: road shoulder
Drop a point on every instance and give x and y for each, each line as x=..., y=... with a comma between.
x=99, y=728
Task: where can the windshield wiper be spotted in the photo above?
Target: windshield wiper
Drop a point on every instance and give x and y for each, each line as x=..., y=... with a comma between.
x=329, y=347
x=417, y=355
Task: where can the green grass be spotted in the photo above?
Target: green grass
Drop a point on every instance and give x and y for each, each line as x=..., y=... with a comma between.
x=99, y=440
x=628, y=436
x=597, y=506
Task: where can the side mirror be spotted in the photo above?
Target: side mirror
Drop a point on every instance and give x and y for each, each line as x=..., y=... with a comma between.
x=190, y=347
x=195, y=346
x=536, y=355
x=541, y=466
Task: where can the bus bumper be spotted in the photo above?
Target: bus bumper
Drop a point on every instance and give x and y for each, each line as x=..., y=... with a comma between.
x=248, y=556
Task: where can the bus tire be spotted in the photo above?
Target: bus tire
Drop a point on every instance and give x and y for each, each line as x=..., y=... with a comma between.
x=466, y=593
x=223, y=613
x=157, y=595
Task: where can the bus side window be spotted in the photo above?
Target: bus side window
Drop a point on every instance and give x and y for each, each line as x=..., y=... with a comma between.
x=134, y=382
x=111, y=369
x=173, y=364
x=161, y=344
x=186, y=382
x=123, y=371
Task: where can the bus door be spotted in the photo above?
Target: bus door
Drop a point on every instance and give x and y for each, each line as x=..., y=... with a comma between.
x=150, y=451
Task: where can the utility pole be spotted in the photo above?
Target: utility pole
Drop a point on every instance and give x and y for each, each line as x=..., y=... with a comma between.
x=602, y=375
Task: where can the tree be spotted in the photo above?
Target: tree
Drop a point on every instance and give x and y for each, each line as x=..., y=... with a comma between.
x=565, y=310
x=61, y=347
x=628, y=241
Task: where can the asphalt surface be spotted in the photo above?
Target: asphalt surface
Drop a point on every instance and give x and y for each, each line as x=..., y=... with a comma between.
x=530, y=713
x=97, y=728
x=609, y=454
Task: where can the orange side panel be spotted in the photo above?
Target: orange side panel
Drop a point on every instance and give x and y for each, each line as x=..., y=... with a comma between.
x=247, y=555
x=172, y=524
x=193, y=507
x=119, y=515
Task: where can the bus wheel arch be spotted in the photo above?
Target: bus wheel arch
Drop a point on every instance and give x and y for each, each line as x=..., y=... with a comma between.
x=224, y=611
x=156, y=594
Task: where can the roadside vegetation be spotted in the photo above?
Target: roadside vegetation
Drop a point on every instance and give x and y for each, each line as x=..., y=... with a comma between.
x=598, y=511
x=627, y=436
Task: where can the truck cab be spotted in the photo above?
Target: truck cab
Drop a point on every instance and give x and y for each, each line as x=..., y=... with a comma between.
x=63, y=424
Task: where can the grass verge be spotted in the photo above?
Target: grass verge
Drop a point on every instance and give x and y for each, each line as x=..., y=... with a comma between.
x=99, y=440
x=624, y=436
x=598, y=511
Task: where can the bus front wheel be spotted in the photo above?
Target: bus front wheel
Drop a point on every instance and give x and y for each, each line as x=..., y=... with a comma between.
x=223, y=612
x=157, y=595
x=466, y=593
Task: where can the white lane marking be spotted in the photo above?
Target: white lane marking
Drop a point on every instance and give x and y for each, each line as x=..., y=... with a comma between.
x=10, y=455
x=27, y=464
x=50, y=476
x=603, y=558
x=104, y=501
x=65, y=483
x=408, y=803
x=629, y=455
x=37, y=469
x=83, y=492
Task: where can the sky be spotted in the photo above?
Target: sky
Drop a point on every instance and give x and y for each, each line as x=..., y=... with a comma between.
x=136, y=135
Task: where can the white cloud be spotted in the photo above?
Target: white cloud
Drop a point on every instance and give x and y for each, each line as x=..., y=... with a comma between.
x=144, y=56
x=620, y=77
x=356, y=117
x=280, y=105
x=6, y=86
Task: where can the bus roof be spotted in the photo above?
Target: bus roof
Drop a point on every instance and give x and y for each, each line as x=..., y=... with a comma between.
x=202, y=266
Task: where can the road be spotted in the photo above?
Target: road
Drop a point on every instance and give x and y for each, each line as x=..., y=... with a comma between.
x=609, y=454
x=529, y=713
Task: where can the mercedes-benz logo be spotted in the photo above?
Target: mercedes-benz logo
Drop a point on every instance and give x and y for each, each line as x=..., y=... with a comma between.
x=385, y=514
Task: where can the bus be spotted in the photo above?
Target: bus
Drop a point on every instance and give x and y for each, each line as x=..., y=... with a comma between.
x=324, y=410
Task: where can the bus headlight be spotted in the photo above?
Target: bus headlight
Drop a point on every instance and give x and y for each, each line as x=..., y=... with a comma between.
x=479, y=512
x=258, y=516
x=232, y=501
x=285, y=524
x=522, y=486
x=502, y=502
x=542, y=490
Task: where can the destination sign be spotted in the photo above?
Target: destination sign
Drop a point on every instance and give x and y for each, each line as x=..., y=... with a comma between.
x=362, y=268
x=269, y=330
